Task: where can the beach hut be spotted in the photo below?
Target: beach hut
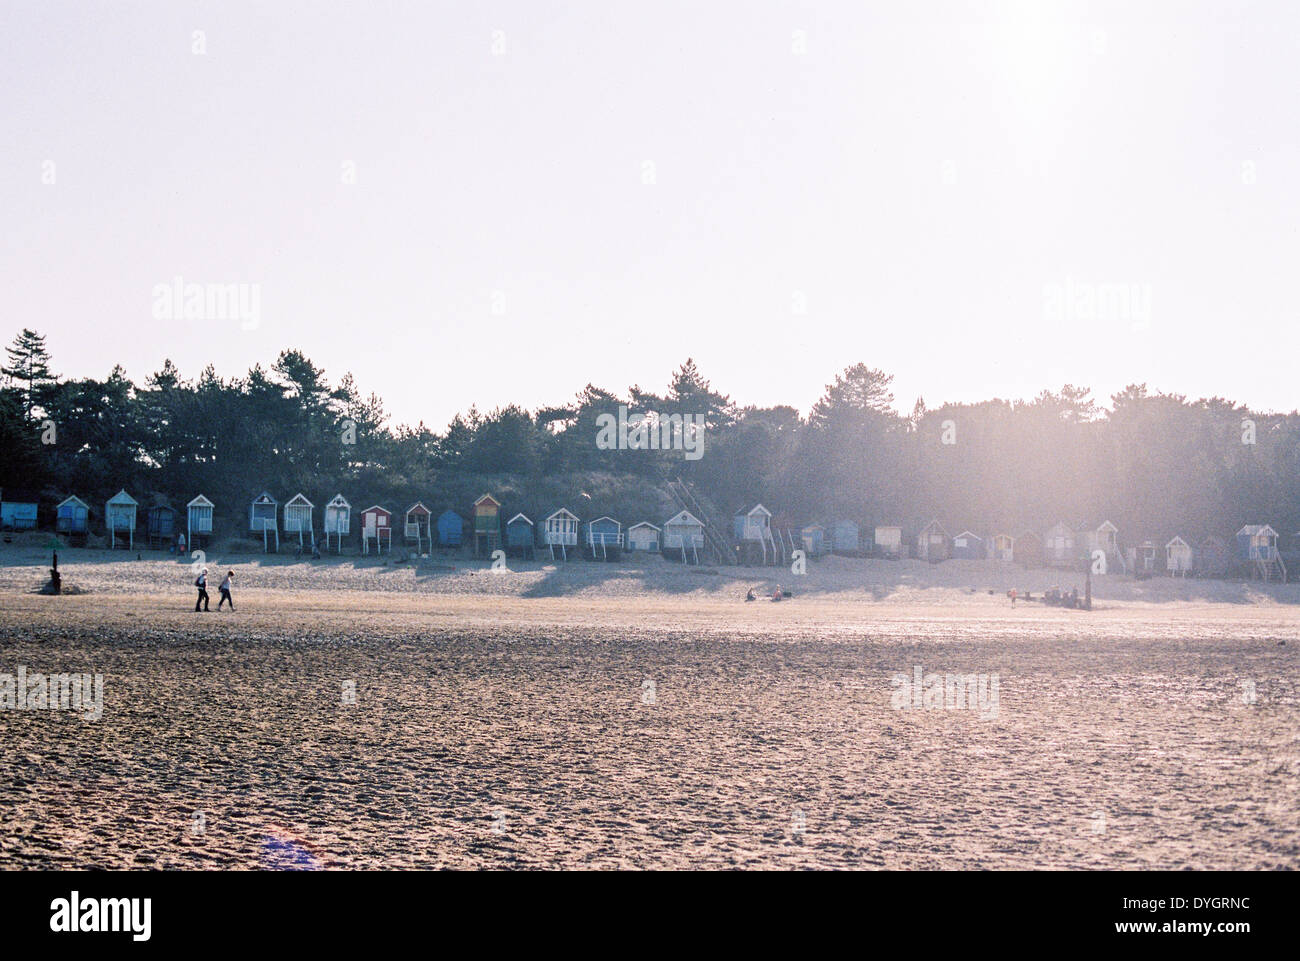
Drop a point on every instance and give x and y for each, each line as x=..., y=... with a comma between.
x=560, y=529
x=1101, y=537
x=1147, y=559
x=487, y=523
x=1257, y=546
x=604, y=538
x=683, y=535
x=119, y=518
x=1059, y=546
x=814, y=540
x=889, y=541
x=1028, y=549
x=1213, y=557
x=198, y=521
x=520, y=535
x=338, y=521
x=643, y=537
x=264, y=516
x=416, y=527
x=787, y=535
x=160, y=525
x=968, y=546
x=752, y=527
x=933, y=543
x=1256, y=542
x=17, y=511
x=72, y=516
x=376, y=529
x=844, y=537
x=1178, y=557
x=298, y=519
x=451, y=529
x=1002, y=547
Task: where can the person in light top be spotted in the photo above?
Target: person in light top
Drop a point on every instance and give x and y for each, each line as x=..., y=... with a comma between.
x=225, y=587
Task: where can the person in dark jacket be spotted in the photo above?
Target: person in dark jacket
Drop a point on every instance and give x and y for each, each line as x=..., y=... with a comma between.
x=201, y=582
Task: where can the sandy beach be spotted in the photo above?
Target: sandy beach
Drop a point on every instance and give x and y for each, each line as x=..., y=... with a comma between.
x=351, y=714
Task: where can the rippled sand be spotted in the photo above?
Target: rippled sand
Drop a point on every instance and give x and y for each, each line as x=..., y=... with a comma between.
x=501, y=731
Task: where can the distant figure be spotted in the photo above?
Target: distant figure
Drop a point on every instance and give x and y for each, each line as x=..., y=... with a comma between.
x=180, y=543
x=315, y=555
x=776, y=594
x=750, y=595
x=224, y=588
x=201, y=582
x=1012, y=594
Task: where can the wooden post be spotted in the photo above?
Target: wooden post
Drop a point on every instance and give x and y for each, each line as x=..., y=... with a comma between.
x=1087, y=587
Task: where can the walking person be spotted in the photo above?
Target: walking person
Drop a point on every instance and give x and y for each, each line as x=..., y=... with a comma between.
x=201, y=582
x=225, y=591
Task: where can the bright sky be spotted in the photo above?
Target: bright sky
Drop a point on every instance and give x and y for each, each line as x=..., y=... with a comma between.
x=939, y=192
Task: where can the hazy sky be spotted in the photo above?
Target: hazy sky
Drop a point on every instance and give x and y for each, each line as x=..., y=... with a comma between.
x=935, y=191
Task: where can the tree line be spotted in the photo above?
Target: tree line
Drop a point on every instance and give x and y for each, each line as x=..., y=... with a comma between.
x=1155, y=464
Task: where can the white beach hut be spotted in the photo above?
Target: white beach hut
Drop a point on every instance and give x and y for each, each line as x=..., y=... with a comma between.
x=338, y=521
x=643, y=537
x=1178, y=557
x=297, y=518
x=560, y=529
x=119, y=518
x=198, y=520
x=263, y=516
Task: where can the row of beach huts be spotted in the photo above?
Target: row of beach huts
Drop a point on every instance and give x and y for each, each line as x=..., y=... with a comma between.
x=756, y=535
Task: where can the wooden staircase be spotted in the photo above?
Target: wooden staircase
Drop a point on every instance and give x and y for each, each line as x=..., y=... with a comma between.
x=718, y=545
x=1271, y=568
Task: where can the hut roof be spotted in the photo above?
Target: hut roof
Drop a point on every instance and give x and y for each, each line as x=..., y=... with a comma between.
x=520, y=515
x=123, y=499
x=562, y=511
x=1103, y=525
x=1254, y=529
x=487, y=497
x=200, y=501
x=645, y=524
x=683, y=517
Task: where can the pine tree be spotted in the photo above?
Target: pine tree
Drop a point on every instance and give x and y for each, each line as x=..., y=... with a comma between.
x=29, y=368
